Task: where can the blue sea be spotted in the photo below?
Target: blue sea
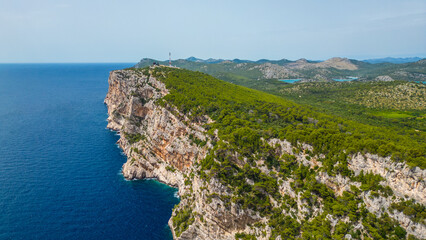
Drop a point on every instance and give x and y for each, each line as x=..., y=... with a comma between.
x=60, y=167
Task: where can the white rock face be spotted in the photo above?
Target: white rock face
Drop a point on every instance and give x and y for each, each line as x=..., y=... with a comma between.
x=165, y=142
x=403, y=180
x=384, y=78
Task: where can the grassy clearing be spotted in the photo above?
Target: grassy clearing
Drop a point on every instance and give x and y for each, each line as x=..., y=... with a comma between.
x=392, y=115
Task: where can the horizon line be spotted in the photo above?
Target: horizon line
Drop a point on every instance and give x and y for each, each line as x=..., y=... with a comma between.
x=231, y=59
x=66, y=62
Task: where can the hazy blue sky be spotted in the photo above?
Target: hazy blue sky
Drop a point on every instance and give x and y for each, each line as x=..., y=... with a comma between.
x=128, y=30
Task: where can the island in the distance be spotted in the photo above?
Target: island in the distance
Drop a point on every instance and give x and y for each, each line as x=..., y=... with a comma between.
x=252, y=165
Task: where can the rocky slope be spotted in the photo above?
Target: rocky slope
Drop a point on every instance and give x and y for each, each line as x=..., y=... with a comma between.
x=298, y=69
x=161, y=142
x=337, y=63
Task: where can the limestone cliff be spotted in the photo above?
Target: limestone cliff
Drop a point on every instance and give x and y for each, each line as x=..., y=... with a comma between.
x=165, y=151
x=160, y=142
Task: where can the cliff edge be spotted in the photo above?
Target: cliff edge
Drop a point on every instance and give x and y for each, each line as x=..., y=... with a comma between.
x=278, y=192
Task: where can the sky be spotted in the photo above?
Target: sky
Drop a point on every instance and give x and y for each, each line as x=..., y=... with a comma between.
x=129, y=30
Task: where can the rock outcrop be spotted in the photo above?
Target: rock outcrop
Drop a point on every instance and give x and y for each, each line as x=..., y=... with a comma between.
x=270, y=70
x=403, y=180
x=384, y=78
x=338, y=63
x=291, y=70
x=164, y=150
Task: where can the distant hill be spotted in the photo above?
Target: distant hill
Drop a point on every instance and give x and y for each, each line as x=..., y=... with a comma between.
x=210, y=60
x=392, y=60
x=236, y=60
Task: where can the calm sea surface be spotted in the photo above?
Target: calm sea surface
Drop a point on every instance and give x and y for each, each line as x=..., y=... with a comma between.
x=59, y=166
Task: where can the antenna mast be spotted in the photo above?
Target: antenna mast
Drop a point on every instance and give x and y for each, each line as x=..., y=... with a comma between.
x=170, y=59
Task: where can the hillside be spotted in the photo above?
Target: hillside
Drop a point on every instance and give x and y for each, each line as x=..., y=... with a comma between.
x=397, y=104
x=250, y=165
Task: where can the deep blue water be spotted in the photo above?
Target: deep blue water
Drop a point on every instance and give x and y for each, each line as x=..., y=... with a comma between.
x=59, y=166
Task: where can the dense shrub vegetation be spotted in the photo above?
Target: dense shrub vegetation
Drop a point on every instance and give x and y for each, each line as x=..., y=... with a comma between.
x=416, y=211
x=243, y=116
x=399, y=105
x=244, y=236
x=133, y=138
x=182, y=220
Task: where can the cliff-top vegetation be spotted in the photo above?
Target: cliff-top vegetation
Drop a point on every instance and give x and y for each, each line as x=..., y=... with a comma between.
x=244, y=116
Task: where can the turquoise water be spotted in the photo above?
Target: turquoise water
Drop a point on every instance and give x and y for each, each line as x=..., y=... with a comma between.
x=345, y=79
x=424, y=82
x=289, y=80
x=342, y=80
x=59, y=165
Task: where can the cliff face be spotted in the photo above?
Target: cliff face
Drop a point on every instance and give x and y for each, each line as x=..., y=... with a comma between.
x=403, y=180
x=160, y=142
x=166, y=152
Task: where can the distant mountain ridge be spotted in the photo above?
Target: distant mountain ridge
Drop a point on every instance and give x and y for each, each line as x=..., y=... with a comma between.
x=285, y=61
x=210, y=60
x=239, y=70
x=392, y=60
x=235, y=60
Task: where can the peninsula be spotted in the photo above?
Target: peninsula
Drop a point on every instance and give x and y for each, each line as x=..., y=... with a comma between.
x=251, y=165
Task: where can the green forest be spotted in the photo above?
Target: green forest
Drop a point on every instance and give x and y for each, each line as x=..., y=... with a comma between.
x=241, y=112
